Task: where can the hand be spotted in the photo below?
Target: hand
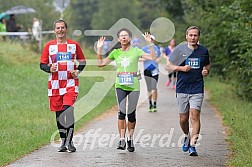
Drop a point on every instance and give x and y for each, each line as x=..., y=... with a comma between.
x=100, y=42
x=157, y=60
x=53, y=68
x=204, y=72
x=75, y=73
x=147, y=37
x=186, y=68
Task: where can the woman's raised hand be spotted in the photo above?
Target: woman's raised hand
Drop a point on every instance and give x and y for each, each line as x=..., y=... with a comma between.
x=100, y=42
x=147, y=37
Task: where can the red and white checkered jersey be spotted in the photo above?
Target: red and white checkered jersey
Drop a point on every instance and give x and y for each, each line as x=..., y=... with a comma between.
x=65, y=56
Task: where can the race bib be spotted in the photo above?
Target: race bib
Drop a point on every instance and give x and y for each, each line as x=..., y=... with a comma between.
x=126, y=79
x=193, y=62
x=154, y=72
x=64, y=56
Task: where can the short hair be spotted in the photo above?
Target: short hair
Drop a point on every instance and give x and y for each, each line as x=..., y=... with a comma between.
x=124, y=29
x=191, y=28
x=59, y=21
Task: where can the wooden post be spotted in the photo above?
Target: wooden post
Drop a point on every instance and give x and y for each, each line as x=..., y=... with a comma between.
x=40, y=36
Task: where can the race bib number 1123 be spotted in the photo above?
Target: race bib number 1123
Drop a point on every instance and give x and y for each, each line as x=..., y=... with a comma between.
x=126, y=79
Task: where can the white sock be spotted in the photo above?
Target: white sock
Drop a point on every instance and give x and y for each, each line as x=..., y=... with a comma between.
x=130, y=137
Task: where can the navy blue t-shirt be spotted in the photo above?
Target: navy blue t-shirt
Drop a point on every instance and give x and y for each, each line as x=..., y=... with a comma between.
x=190, y=82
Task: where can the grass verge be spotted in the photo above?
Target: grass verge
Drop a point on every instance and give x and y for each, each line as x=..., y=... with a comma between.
x=237, y=116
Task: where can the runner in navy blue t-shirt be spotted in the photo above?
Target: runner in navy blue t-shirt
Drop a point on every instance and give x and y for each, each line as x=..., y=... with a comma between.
x=191, y=60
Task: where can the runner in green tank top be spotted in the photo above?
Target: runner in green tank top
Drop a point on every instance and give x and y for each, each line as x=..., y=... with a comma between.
x=127, y=84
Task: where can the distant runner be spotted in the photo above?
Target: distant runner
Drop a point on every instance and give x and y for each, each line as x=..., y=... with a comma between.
x=151, y=73
x=172, y=77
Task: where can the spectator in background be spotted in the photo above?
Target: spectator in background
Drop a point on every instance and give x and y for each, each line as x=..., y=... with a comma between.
x=36, y=29
x=11, y=26
x=3, y=26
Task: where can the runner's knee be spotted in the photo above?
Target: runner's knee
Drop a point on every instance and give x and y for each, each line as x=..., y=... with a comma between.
x=121, y=115
x=184, y=118
x=132, y=117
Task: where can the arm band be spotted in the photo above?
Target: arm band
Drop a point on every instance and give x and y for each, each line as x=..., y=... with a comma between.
x=45, y=67
x=81, y=66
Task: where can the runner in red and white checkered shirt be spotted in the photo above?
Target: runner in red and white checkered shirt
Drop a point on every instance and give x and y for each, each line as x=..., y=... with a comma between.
x=59, y=58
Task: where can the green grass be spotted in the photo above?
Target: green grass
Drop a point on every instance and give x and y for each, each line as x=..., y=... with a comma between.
x=237, y=116
x=26, y=122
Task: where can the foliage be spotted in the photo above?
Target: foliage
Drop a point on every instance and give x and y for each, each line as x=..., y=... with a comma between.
x=151, y=10
x=105, y=17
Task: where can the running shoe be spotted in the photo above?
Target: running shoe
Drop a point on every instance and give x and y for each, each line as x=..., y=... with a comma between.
x=62, y=148
x=150, y=109
x=173, y=87
x=154, y=109
x=131, y=147
x=186, y=144
x=71, y=147
x=192, y=151
x=121, y=145
x=168, y=83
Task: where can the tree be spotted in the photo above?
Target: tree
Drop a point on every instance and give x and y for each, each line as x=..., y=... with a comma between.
x=107, y=15
x=151, y=10
x=80, y=13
